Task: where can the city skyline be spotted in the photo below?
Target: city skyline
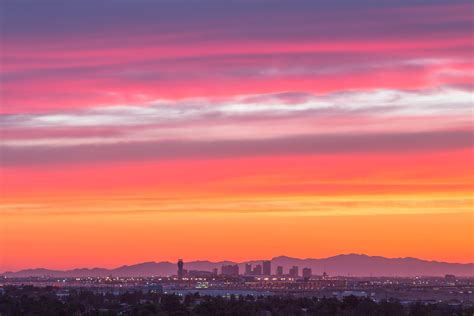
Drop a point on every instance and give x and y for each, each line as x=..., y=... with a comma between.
x=189, y=283
x=139, y=131
x=343, y=265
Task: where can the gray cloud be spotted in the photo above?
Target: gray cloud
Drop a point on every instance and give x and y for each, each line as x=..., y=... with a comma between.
x=305, y=144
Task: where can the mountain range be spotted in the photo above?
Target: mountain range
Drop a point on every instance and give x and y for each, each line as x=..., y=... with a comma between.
x=340, y=265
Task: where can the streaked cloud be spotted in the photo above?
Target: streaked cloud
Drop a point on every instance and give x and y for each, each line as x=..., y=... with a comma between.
x=248, y=117
x=306, y=144
x=441, y=101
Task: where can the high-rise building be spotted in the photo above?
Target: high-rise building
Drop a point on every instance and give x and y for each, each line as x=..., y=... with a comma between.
x=248, y=269
x=232, y=270
x=215, y=271
x=180, y=269
x=257, y=270
x=267, y=267
x=294, y=272
x=307, y=273
x=279, y=271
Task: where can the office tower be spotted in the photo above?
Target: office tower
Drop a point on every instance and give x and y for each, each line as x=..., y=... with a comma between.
x=294, y=272
x=248, y=269
x=267, y=267
x=231, y=270
x=307, y=273
x=279, y=271
x=257, y=270
x=215, y=271
x=180, y=269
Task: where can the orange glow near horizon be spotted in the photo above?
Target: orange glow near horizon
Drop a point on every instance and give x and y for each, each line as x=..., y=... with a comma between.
x=281, y=206
x=100, y=240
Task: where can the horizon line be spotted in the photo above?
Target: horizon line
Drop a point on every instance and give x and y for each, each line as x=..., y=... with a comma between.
x=231, y=261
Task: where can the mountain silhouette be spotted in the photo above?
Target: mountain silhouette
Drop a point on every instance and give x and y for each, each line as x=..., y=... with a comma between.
x=340, y=265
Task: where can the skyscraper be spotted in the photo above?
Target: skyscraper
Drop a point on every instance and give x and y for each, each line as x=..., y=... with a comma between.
x=248, y=269
x=180, y=269
x=257, y=270
x=267, y=267
x=294, y=272
x=279, y=271
x=307, y=273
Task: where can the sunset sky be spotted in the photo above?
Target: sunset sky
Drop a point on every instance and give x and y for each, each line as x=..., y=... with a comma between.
x=139, y=131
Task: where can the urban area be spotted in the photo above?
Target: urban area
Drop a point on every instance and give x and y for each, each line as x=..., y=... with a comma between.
x=258, y=290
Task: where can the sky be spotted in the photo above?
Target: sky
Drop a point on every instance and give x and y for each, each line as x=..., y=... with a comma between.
x=137, y=131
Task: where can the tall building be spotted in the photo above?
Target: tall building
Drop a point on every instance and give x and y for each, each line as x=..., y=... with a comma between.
x=279, y=271
x=307, y=273
x=232, y=270
x=248, y=269
x=267, y=267
x=294, y=272
x=257, y=270
x=215, y=271
x=180, y=269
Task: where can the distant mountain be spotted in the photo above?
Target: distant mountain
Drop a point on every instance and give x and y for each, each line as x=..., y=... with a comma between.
x=363, y=265
x=341, y=265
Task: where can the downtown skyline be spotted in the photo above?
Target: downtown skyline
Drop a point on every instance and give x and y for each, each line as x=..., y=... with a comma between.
x=339, y=266
x=150, y=131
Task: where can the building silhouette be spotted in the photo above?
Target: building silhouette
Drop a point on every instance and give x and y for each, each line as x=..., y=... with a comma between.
x=307, y=273
x=267, y=267
x=257, y=270
x=248, y=269
x=180, y=269
x=279, y=271
x=293, y=272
